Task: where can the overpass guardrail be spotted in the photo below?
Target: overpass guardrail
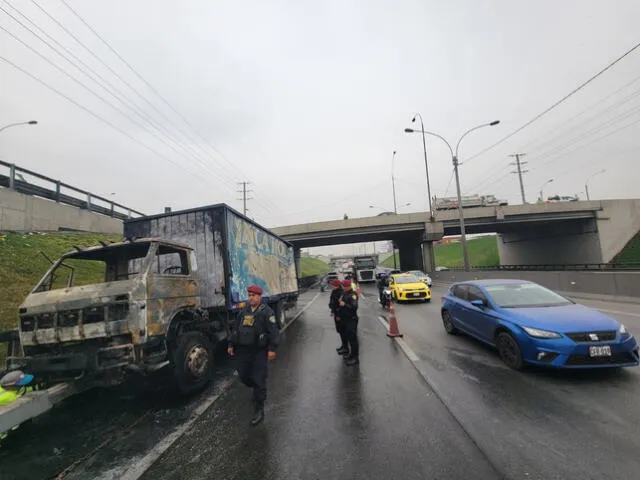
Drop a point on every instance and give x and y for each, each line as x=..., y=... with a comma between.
x=59, y=192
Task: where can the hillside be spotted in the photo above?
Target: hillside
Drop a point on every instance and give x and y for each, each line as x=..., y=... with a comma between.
x=22, y=264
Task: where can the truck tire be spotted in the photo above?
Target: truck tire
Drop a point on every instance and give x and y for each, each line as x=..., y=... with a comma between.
x=192, y=363
x=281, y=316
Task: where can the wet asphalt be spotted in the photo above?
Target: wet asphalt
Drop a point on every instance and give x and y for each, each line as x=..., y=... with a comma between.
x=324, y=420
x=540, y=423
x=451, y=411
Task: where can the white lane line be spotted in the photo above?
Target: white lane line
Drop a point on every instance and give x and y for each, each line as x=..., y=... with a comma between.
x=300, y=312
x=617, y=312
x=141, y=466
x=403, y=345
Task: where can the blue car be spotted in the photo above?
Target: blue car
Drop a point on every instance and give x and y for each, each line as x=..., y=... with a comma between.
x=530, y=324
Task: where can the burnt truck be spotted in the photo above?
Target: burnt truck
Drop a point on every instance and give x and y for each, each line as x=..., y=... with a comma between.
x=163, y=297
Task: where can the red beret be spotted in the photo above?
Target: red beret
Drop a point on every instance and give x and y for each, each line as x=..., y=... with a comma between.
x=255, y=289
x=346, y=283
x=335, y=282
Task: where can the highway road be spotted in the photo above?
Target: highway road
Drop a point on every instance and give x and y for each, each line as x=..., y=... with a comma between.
x=430, y=406
x=538, y=423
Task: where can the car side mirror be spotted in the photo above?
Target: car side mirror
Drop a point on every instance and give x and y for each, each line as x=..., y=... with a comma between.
x=478, y=303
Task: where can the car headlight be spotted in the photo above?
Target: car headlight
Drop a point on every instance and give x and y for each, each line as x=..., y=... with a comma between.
x=623, y=330
x=399, y=289
x=537, y=333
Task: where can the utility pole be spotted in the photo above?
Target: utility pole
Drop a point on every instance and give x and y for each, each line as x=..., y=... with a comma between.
x=244, y=198
x=519, y=165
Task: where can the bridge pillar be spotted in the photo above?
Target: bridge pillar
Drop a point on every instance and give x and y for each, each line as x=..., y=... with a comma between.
x=428, y=257
x=410, y=249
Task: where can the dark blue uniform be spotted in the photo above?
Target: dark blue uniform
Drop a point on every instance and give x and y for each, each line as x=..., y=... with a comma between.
x=334, y=304
x=256, y=333
x=349, y=315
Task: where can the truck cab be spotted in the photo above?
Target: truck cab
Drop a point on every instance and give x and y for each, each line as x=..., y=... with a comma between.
x=98, y=311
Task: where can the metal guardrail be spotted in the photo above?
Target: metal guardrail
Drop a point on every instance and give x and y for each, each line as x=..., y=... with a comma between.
x=16, y=182
x=631, y=266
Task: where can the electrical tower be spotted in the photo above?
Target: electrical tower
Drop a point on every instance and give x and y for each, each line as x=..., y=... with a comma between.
x=519, y=165
x=244, y=198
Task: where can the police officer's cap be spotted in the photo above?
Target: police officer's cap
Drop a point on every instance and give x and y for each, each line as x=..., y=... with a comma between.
x=346, y=283
x=17, y=378
x=255, y=289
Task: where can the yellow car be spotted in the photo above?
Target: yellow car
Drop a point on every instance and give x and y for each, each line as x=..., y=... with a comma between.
x=405, y=286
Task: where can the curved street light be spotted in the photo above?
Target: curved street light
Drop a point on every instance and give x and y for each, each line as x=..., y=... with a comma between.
x=586, y=183
x=454, y=158
x=426, y=163
x=30, y=122
x=542, y=188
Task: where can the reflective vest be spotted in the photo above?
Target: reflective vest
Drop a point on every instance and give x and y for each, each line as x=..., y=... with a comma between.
x=8, y=396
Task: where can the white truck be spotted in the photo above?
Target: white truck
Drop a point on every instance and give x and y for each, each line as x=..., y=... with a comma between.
x=468, y=201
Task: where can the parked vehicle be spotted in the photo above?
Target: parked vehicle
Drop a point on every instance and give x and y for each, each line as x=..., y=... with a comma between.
x=423, y=277
x=530, y=324
x=468, y=201
x=408, y=287
x=164, y=297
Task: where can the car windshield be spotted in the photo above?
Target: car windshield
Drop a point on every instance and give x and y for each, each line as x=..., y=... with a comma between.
x=523, y=295
x=417, y=273
x=407, y=279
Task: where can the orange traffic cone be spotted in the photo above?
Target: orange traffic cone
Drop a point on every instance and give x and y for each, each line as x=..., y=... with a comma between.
x=358, y=289
x=393, y=323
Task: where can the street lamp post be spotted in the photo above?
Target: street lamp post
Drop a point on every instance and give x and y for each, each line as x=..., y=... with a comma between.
x=30, y=122
x=426, y=164
x=542, y=188
x=454, y=158
x=393, y=183
x=586, y=183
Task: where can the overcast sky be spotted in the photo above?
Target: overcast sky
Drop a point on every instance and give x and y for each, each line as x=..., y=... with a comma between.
x=308, y=100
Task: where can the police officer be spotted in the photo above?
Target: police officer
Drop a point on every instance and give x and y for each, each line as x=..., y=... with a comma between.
x=254, y=341
x=382, y=283
x=334, y=300
x=13, y=386
x=348, y=313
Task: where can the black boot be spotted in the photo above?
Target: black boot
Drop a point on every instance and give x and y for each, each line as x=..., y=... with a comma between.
x=343, y=350
x=352, y=361
x=258, y=416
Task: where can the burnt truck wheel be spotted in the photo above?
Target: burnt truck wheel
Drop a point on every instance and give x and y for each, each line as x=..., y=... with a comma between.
x=281, y=314
x=192, y=363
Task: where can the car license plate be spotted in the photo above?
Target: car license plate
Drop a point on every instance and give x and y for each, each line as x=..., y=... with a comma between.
x=415, y=294
x=602, y=351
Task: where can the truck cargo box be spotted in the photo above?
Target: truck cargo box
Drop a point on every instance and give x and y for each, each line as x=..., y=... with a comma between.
x=232, y=252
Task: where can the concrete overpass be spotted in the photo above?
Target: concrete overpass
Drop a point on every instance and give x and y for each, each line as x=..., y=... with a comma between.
x=560, y=233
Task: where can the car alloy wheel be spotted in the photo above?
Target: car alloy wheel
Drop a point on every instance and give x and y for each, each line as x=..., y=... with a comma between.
x=447, y=321
x=509, y=351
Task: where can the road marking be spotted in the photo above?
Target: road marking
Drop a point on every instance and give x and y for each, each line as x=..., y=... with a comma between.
x=300, y=312
x=139, y=467
x=403, y=345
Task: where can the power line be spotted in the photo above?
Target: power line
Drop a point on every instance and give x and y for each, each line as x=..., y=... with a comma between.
x=160, y=128
x=554, y=105
x=95, y=115
x=135, y=122
x=164, y=100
